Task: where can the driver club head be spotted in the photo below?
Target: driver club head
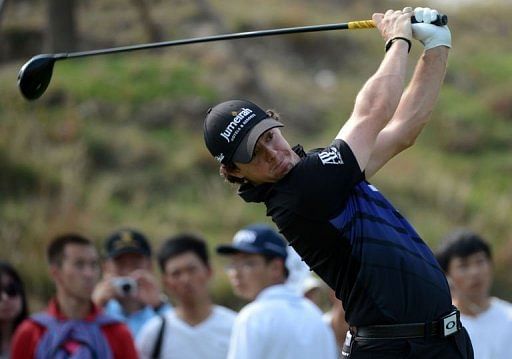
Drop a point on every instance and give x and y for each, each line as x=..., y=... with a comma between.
x=35, y=75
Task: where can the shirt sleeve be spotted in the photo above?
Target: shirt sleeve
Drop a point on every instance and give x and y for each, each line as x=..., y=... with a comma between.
x=324, y=179
x=25, y=340
x=121, y=341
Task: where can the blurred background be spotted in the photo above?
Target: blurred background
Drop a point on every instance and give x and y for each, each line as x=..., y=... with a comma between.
x=117, y=140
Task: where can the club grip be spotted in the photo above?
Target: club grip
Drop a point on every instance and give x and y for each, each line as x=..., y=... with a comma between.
x=440, y=21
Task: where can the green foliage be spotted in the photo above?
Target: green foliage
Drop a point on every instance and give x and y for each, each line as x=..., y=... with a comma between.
x=117, y=140
x=141, y=79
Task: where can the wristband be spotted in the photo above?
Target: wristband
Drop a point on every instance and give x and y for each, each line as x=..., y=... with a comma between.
x=393, y=39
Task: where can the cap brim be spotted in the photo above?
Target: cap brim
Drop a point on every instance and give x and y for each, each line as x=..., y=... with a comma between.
x=121, y=251
x=245, y=149
x=233, y=249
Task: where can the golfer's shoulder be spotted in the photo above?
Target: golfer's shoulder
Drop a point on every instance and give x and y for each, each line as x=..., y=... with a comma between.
x=324, y=169
x=333, y=158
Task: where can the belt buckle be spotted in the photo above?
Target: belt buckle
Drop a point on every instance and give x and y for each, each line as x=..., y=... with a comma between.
x=450, y=324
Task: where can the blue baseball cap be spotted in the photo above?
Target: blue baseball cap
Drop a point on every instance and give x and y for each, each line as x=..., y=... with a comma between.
x=256, y=239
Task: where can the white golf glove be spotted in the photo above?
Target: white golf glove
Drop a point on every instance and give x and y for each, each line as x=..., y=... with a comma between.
x=430, y=35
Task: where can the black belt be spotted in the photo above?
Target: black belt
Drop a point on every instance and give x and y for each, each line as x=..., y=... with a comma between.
x=446, y=326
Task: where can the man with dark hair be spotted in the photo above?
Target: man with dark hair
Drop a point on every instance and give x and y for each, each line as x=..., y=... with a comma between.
x=129, y=289
x=467, y=261
x=183, y=243
x=197, y=328
x=396, y=298
x=56, y=248
x=72, y=325
x=279, y=323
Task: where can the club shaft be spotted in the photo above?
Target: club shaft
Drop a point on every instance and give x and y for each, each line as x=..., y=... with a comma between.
x=351, y=25
x=364, y=24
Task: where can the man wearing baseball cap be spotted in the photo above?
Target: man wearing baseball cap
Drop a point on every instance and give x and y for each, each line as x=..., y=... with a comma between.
x=279, y=323
x=396, y=297
x=129, y=289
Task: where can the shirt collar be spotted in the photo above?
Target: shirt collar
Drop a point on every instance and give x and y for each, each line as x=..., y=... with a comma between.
x=54, y=310
x=276, y=291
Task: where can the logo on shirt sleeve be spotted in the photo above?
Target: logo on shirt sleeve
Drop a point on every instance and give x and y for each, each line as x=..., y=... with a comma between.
x=330, y=156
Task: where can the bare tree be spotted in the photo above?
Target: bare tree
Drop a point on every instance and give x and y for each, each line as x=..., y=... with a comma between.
x=3, y=4
x=62, y=34
x=151, y=27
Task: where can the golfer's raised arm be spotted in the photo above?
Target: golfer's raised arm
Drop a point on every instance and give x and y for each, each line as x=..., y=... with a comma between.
x=377, y=100
x=420, y=97
x=413, y=112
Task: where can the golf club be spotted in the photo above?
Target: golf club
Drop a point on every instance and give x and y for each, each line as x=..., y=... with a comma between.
x=35, y=75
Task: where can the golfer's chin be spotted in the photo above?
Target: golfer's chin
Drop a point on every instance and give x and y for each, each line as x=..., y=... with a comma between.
x=281, y=170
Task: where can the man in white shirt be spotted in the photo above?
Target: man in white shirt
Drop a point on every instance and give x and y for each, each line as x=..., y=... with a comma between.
x=279, y=323
x=467, y=261
x=197, y=328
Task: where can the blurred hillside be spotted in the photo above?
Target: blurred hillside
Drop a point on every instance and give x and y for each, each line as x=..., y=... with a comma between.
x=117, y=140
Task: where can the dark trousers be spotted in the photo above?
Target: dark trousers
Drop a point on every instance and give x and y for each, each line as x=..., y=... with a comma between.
x=453, y=347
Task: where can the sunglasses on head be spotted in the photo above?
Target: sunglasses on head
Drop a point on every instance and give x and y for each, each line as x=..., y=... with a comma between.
x=12, y=290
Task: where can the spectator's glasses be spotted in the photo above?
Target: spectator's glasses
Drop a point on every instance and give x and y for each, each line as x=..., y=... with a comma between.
x=245, y=265
x=11, y=290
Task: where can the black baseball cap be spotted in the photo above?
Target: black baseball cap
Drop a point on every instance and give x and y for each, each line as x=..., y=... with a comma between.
x=232, y=128
x=256, y=239
x=127, y=241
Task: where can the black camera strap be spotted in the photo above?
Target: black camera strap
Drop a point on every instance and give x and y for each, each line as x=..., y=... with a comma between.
x=158, y=343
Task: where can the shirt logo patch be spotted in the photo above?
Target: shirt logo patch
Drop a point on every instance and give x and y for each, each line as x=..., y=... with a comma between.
x=330, y=156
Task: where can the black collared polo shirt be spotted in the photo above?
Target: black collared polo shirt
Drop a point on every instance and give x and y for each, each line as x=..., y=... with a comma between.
x=355, y=240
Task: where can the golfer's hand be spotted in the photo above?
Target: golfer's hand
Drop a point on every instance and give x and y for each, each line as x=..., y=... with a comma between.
x=394, y=23
x=430, y=35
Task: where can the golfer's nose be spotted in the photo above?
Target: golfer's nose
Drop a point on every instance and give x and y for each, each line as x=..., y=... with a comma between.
x=270, y=154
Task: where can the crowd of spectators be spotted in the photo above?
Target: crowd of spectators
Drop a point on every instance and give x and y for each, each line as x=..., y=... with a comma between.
x=118, y=307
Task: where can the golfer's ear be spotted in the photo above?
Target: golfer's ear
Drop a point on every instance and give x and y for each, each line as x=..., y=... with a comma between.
x=226, y=171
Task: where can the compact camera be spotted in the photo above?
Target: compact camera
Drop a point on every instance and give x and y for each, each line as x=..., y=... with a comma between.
x=125, y=286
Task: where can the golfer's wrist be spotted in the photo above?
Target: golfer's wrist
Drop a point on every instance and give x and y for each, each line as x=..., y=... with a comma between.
x=399, y=40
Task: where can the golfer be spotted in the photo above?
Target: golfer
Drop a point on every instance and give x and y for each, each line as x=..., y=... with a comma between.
x=395, y=295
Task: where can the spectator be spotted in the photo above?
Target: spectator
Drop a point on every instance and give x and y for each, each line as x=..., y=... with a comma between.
x=129, y=290
x=298, y=271
x=314, y=290
x=196, y=328
x=335, y=317
x=72, y=326
x=467, y=261
x=13, y=306
x=279, y=323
